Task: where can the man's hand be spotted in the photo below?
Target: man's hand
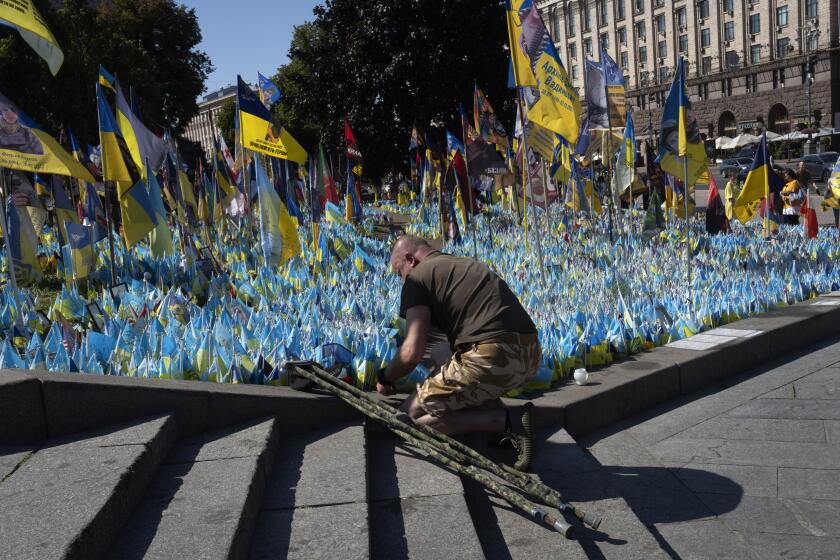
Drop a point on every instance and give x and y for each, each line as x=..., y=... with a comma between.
x=385, y=390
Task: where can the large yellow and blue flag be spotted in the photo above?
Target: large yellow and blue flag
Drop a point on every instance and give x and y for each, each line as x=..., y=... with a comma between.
x=557, y=106
x=520, y=63
x=259, y=133
x=117, y=164
x=160, y=238
x=24, y=16
x=143, y=145
x=278, y=231
x=25, y=146
x=761, y=179
x=680, y=140
x=561, y=161
x=138, y=213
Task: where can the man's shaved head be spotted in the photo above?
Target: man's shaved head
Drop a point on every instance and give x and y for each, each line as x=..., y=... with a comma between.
x=407, y=253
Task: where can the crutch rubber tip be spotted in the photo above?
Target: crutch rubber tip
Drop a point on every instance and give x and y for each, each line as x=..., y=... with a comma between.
x=592, y=521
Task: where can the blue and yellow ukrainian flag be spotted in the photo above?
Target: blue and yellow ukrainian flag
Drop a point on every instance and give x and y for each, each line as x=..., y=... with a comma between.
x=278, y=231
x=138, y=213
x=160, y=238
x=259, y=134
x=143, y=145
x=106, y=79
x=117, y=164
x=680, y=138
x=757, y=186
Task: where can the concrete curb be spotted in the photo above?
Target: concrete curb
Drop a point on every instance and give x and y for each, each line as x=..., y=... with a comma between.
x=40, y=405
x=37, y=405
x=644, y=380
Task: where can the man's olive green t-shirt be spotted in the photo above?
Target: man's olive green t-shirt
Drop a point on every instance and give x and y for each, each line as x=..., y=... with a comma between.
x=468, y=301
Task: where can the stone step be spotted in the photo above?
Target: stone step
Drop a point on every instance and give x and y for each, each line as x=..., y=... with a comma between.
x=506, y=533
x=315, y=505
x=71, y=497
x=204, y=501
x=418, y=508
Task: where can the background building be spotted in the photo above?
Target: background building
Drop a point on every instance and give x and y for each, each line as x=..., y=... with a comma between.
x=746, y=60
x=203, y=127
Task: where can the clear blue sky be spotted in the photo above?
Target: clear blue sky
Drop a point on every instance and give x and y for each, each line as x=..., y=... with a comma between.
x=247, y=36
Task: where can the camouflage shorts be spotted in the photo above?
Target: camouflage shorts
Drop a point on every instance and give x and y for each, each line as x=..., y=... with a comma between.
x=479, y=374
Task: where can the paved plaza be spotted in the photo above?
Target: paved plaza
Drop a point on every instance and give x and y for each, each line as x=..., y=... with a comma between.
x=748, y=469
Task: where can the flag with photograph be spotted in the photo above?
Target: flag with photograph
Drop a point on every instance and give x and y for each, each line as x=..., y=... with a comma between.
x=487, y=124
x=26, y=147
x=269, y=92
x=520, y=62
x=557, y=106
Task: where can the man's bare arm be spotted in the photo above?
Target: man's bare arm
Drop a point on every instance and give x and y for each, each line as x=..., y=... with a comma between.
x=411, y=352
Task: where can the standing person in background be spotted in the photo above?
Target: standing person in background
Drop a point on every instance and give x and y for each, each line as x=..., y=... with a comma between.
x=730, y=193
x=792, y=194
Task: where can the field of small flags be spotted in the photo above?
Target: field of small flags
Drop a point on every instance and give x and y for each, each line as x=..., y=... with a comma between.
x=232, y=319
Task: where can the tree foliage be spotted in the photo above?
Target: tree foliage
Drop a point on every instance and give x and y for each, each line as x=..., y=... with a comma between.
x=149, y=44
x=384, y=64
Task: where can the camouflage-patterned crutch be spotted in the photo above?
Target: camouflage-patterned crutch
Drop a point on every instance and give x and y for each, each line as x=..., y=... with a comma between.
x=449, y=451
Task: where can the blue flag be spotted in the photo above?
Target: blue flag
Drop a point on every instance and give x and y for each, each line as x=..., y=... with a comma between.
x=269, y=92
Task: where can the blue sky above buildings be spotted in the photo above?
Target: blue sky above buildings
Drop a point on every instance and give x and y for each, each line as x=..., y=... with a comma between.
x=248, y=36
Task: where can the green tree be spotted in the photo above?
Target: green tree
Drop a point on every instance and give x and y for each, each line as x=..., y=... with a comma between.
x=224, y=120
x=149, y=44
x=384, y=64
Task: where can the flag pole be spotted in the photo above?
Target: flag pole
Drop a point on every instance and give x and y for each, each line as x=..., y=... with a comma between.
x=470, y=215
x=687, y=228
x=11, y=261
x=526, y=188
x=767, y=200
x=102, y=159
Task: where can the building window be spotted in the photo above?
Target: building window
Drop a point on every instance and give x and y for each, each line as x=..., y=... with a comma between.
x=625, y=63
x=732, y=60
x=638, y=6
x=703, y=8
x=660, y=24
x=682, y=19
x=603, y=13
x=619, y=9
x=587, y=17
x=558, y=24
x=664, y=72
x=707, y=65
x=813, y=42
x=572, y=51
x=811, y=8
x=642, y=56
x=574, y=71
x=750, y=83
x=572, y=19
x=705, y=37
x=726, y=87
x=684, y=44
x=703, y=91
x=658, y=3
x=728, y=5
x=587, y=46
x=729, y=31
x=604, y=41
x=755, y=54
x=640, y=101
x=663, y=49
x=781, y=77
x=782, y=47
x=778, y=78
x=640, y=30
x=622, y=35
x=782, y=16
x=755, y=23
